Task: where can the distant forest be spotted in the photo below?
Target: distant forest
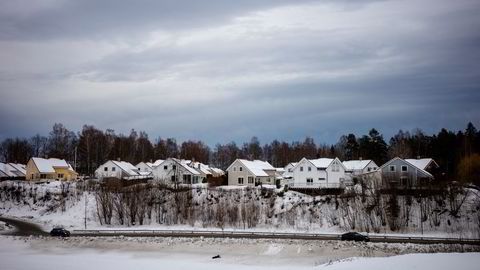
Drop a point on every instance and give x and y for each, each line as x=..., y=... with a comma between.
x=457, y=152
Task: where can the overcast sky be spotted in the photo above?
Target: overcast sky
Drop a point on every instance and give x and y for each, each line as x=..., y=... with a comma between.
x=228, y=70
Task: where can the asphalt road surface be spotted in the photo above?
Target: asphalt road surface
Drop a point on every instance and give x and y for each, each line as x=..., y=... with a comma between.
x=28, y=228
x=23, y=227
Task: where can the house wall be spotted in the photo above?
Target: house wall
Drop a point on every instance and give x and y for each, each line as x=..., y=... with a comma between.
x=333, y=179
x=165, y=171
x=68, y=175
x=100, y=173
x=143, y=167
x=33, y=174
x=234, y=173
x=409, y=178
x=300, y=177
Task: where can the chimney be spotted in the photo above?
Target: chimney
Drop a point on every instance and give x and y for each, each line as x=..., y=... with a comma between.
x=360, y=158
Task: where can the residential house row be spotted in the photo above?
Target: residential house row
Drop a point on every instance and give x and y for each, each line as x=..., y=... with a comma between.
x=332, y=173
x=171, y=170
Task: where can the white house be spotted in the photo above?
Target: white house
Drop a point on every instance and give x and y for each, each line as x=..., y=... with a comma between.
x=288, y=174
x=246, y=172
x=145, y=167
x=118, y=169
x=358, y=168
x=174, y=170
x=318, y=173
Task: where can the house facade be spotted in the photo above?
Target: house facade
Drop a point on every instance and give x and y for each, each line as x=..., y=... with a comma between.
x=178, y=171
x=400, y=173
x=49, y=169
x=244, y=172
x=119, y=170
x=318, y=173
x=356, y=169
x=144, y=167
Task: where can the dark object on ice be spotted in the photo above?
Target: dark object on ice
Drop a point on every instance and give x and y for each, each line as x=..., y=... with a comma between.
x=216, y=257
x=354, y=236
x=60, y=232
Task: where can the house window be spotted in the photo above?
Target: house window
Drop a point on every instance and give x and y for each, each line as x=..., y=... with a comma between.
x=392, y=168
x=268, y=180
x=60, y=175
x=234, y=169
x=309, y=169
x=139, y=169
x=301, y=169
x=165, y=167
x=240, y=168
x=113, y=169
x=105, y=169
x=321, y=179
x=250, y=180
x=404, y=168
x=174, y=167
x=43, y=176
x=309, y=181
x=369, y=169
x=240, y=180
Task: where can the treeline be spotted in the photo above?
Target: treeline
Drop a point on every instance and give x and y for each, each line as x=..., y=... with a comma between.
x=457, y=152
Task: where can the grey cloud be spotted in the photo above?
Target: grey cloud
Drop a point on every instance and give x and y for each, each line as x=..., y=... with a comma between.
x=416, y=69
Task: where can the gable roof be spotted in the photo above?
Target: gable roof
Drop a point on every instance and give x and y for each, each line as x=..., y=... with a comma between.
x=127, y=167
x=184, y=164
x=397, y=158
x=256, y=167
x=157, y=162
x=19, y=167
x=352, y=165
x=48, y=165
x=320, y=163
x=149, y=164
x=205, y=169
x=7, y=170
x=422, y=163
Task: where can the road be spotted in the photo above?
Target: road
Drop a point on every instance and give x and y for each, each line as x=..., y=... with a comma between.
x=269, y=235
x=28, y=228
x=23, y=227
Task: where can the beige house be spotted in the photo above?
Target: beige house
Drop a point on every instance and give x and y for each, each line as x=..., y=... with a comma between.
x=244, y=172
x=51, y=169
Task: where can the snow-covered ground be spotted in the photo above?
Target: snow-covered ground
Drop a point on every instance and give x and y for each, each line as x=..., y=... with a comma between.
x=292, y=212
x=168, y=253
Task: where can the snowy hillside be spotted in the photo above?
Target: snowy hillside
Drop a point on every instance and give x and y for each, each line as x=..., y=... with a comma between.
x=248, y=208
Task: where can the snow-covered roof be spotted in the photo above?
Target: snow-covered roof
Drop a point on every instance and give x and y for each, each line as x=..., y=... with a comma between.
x=257, y=167
x=184, y=163
x=352, y=165
x=8, y=171
x=321, y=162
x=127, y=167
x=420, y=163
x=19, y=167
x=205, y=169
x=397, y=158
x=47, y=165
x=217, y=170
x=157, y=162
